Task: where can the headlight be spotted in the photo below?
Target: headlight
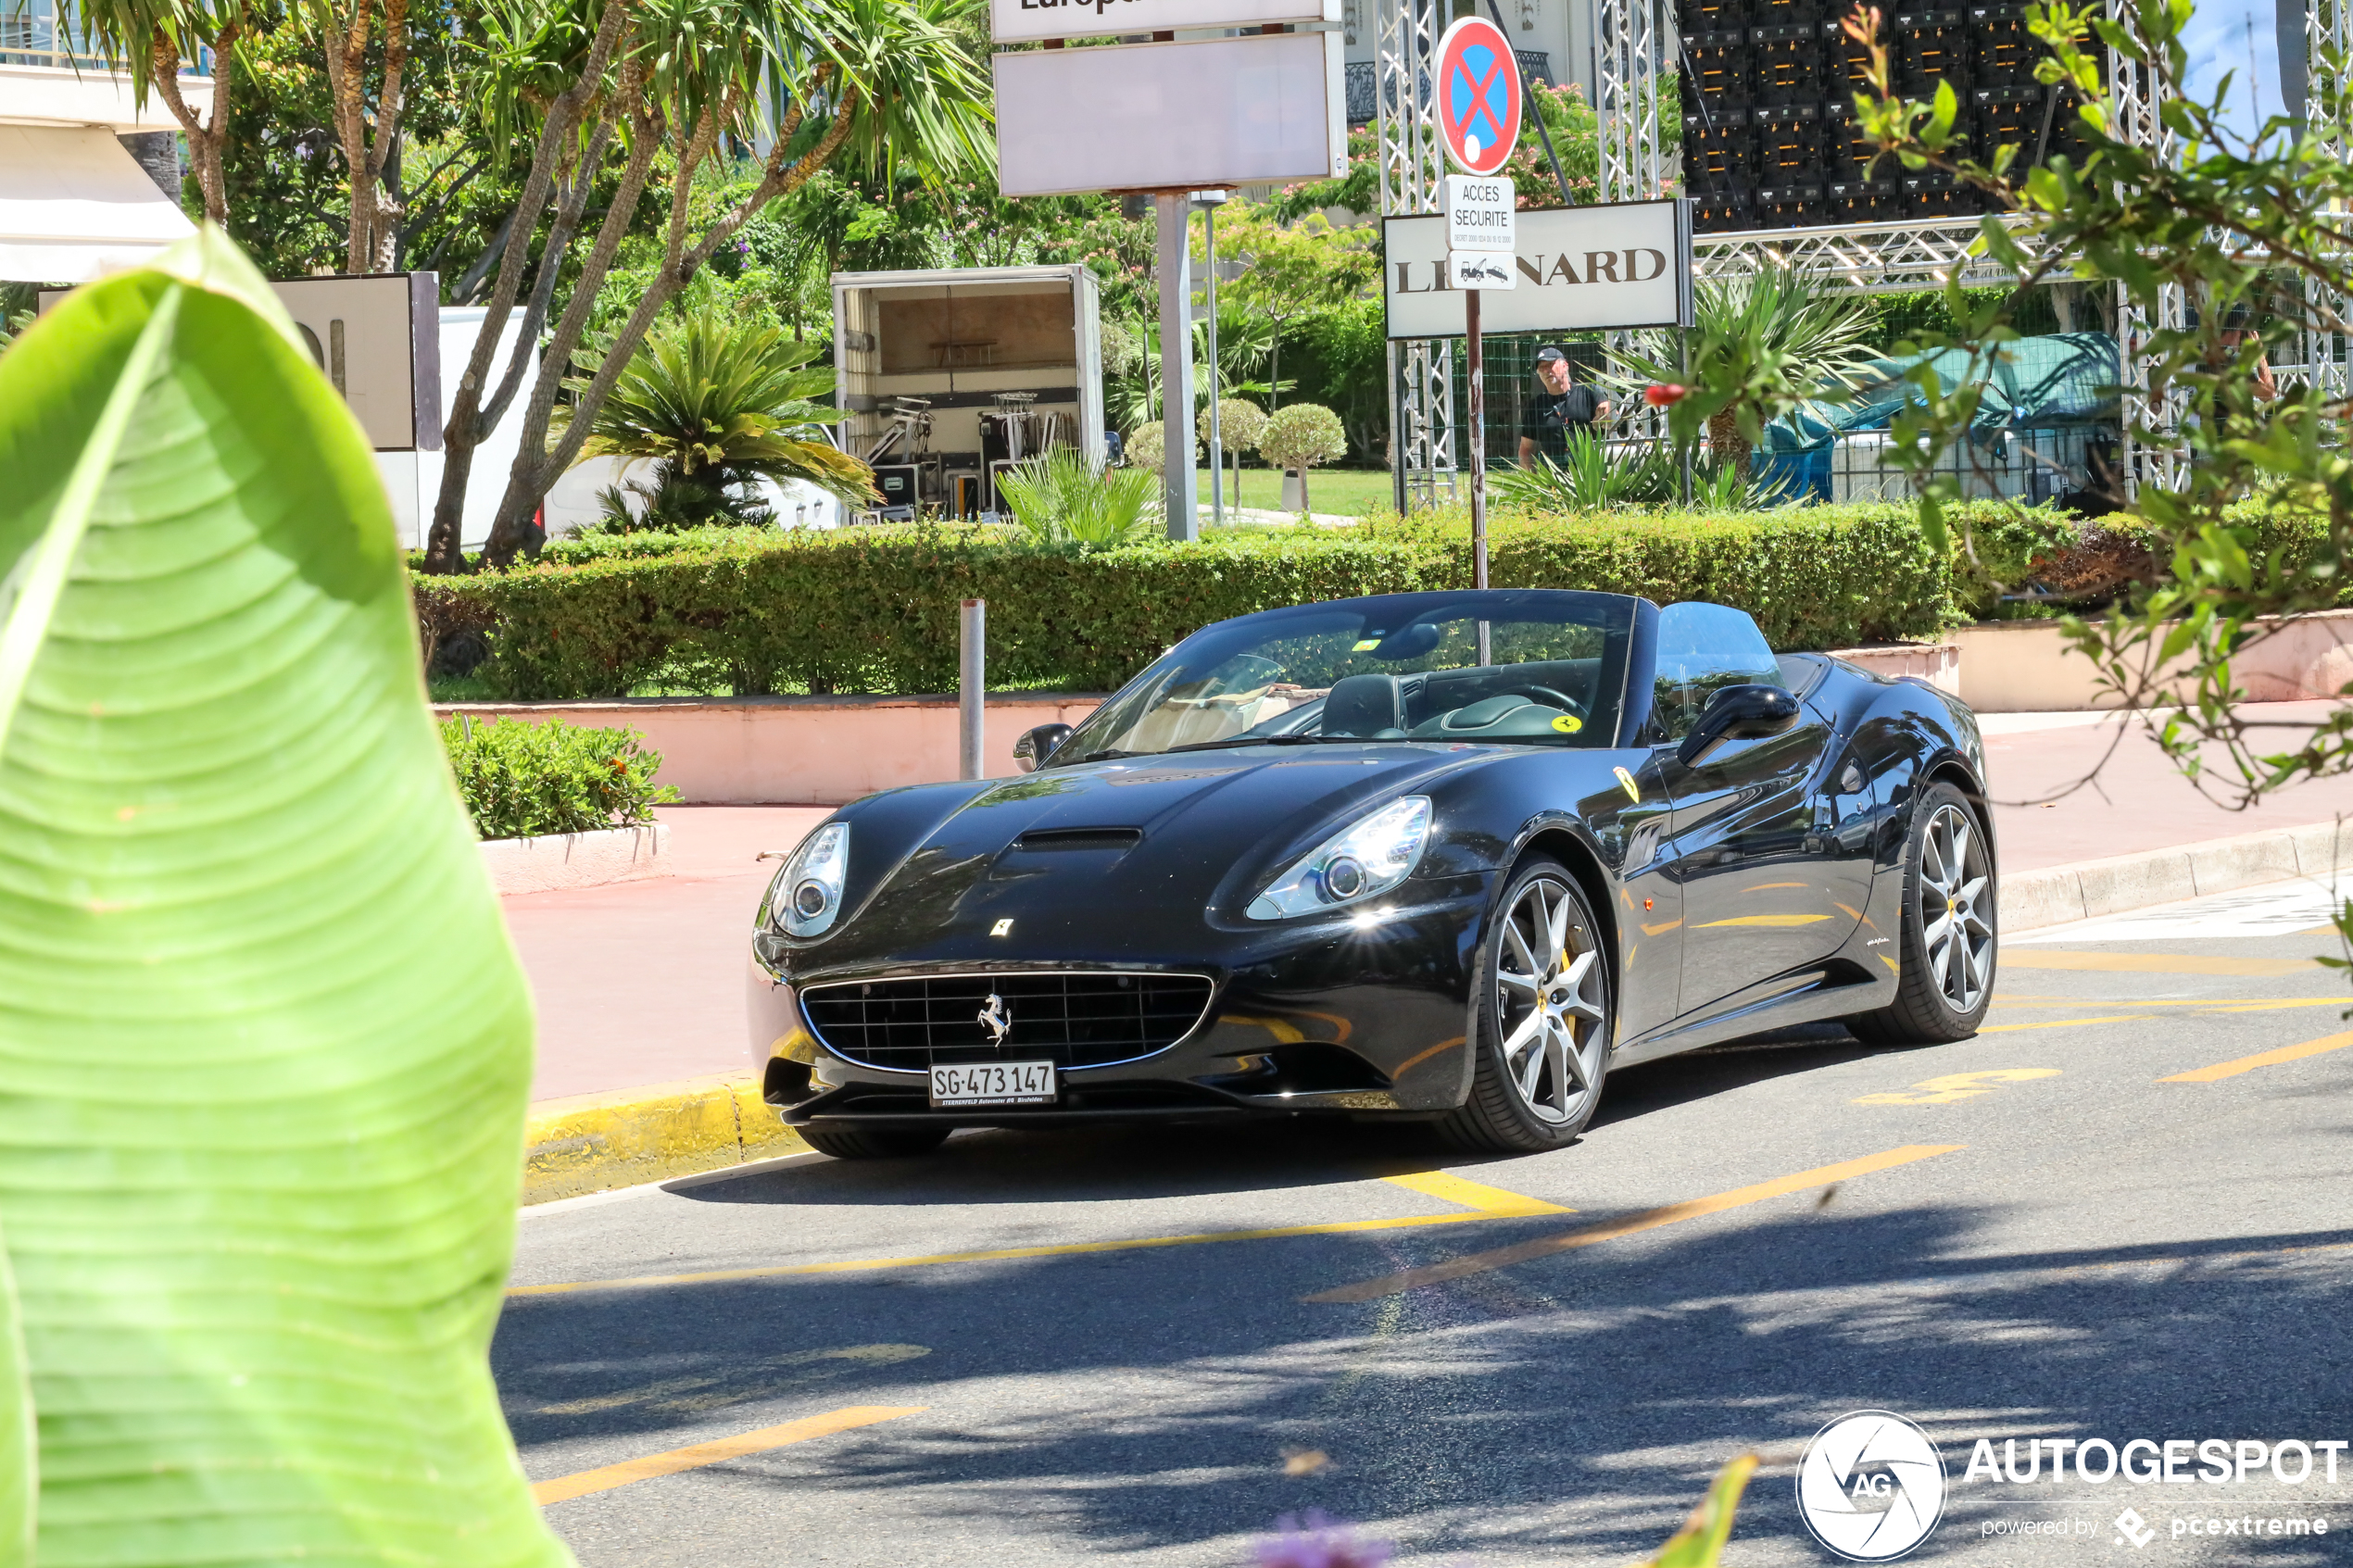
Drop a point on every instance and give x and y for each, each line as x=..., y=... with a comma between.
x=1363, y=861
x=806, y=895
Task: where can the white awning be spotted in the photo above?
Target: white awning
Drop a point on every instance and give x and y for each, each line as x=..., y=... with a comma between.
x=74, y=206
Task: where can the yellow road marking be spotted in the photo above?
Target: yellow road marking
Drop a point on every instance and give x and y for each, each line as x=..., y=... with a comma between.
x=1486, y=1203
x=2059, y=1022
x=1760, y=920
x=2209, y=1003
x=565, y=1488
x=1473, y=1194
x=1768, y=886
x=2266, y=1059
x=2150, y=963
x=1960, y=1085
x=1649, y=1219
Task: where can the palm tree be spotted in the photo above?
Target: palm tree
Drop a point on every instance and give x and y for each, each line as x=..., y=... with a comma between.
x=1762, y=345
x=149, y=41
x=884, y=83
x=714, y=404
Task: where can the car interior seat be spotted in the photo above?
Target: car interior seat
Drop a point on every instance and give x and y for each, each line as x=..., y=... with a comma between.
x=1369, y=706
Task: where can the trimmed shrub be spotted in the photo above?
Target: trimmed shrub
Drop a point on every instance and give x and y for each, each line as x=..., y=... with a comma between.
x=521, y=780
x=875, y=610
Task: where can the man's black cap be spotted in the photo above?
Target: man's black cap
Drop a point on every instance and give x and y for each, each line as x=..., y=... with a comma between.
x=1550, y=351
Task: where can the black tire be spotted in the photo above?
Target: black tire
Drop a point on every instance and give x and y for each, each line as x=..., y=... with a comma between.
x=874, y=1142
x=1534, y=1086
x=1946, y=953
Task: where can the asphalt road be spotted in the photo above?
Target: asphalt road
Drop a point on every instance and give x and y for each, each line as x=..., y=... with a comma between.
x=2125, y=1210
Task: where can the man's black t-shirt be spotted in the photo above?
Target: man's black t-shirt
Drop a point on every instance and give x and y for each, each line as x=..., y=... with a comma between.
x=1550, y=417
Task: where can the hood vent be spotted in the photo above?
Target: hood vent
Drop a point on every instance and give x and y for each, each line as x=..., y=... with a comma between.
x=1080, y=839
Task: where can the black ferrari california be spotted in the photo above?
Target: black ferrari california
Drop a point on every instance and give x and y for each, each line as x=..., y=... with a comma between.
x=1447, y=856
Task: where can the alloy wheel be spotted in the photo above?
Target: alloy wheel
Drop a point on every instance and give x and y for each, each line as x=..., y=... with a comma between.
x=1550, y=1001
x=1956, y=931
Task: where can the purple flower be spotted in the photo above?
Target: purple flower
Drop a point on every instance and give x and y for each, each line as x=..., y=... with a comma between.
x=1321, y=1542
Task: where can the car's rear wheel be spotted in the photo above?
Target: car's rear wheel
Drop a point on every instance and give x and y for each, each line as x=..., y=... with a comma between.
x=1545, y=1019
x=1945, y=949
x=874, y=1142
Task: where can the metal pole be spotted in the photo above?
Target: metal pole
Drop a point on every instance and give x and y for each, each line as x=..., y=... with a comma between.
x=1174, y=212
x=1478, y=456
x=1216, y=439
x=971, y=686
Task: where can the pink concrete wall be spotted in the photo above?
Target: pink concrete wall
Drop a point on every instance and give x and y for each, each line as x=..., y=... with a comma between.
x=801, y=750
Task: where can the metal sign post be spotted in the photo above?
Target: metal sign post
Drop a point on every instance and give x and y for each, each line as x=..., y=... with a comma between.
x=1481, y=220
x=1479, y=102
x=1174, y=210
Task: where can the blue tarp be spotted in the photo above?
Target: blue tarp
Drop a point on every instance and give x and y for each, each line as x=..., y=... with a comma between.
x=2037, y=384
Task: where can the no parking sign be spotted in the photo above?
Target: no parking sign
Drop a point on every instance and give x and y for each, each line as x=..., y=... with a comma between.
x=1479, y=94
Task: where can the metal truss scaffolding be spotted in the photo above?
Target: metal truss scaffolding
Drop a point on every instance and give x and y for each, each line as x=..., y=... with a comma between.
x=2328, y=356
x=1412, y=166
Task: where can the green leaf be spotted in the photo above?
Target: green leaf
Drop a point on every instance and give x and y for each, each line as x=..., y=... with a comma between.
x=264, y=1047
x=1700, y=1543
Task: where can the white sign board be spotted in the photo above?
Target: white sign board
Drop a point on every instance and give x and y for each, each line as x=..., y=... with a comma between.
x=1482, y=270
x=1162, y=117
x=1025, y=21
x=377, y=337
x=1479, y=210
x=1580, y=268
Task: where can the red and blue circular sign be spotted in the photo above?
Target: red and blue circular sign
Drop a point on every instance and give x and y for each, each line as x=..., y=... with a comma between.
x=1479, y=94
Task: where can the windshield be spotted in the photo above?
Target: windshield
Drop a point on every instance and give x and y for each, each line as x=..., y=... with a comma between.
x=1402, y=667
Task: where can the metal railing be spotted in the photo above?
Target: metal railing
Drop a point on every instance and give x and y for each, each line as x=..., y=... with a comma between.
x=46, y=33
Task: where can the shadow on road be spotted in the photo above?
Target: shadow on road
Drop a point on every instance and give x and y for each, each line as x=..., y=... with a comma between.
x=1568, y=1408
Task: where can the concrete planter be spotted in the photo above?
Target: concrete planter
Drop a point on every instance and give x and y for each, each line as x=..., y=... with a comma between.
x=2029, y=667
x=577, y=860
x=802, y=750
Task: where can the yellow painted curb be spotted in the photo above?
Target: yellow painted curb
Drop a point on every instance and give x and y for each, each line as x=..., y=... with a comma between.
x=588, y=1143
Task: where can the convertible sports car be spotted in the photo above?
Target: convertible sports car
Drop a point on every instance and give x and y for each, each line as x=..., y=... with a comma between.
x=1445, y=856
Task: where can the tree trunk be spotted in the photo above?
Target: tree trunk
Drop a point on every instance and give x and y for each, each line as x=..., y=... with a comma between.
x=375, y=214
x=208, y=145
x=1724, y=440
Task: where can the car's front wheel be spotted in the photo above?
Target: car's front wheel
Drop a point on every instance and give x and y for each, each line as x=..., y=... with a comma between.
x=1545, y=1019
x=874, y=1142
x=1945, y=949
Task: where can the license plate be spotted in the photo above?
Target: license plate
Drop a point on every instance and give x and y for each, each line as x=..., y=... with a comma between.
x=994, y=1082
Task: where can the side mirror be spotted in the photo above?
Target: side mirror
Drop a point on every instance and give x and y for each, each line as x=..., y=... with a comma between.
x=1737, y=713
x=1035, y=745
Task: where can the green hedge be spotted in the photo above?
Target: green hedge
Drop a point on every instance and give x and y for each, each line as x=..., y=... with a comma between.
x=875, y=609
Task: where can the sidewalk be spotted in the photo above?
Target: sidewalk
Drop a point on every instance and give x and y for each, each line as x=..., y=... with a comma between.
x=643, y=982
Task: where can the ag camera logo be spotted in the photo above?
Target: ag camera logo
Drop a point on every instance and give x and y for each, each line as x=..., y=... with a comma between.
x=1871, y=1487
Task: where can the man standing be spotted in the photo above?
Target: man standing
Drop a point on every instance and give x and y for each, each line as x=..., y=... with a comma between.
x=1563, y=407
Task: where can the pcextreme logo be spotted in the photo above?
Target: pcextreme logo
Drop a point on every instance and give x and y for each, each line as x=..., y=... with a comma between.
x=1871, y=1487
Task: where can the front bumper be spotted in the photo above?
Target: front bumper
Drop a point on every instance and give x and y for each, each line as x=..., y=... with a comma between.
x=1348, y=1017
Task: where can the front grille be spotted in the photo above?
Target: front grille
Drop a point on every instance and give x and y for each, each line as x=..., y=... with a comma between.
x=1086, y=1020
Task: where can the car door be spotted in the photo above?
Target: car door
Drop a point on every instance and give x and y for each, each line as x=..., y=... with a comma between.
x=1760, y=896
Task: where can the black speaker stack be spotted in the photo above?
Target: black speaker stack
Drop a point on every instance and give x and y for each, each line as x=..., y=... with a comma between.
x=1769, y=137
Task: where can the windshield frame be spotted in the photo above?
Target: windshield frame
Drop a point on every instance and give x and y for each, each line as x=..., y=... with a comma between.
x=1618, y=619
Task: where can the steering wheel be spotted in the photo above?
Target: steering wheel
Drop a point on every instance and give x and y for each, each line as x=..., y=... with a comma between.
x=1552, y=698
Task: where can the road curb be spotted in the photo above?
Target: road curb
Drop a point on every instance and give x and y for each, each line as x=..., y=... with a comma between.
x=590, y=1143
x=587, y=1143
x=2088, y=889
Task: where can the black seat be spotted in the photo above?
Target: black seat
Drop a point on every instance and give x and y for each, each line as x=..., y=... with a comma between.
x=1365, y=705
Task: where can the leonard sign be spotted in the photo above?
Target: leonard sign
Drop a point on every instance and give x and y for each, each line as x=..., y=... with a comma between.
x=1477, y=96
x=1579, y=267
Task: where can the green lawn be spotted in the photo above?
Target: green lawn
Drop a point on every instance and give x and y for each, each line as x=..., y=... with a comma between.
x=1345, y=492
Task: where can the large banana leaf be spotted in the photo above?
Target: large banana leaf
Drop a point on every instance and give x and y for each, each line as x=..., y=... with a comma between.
x=264, y=1049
